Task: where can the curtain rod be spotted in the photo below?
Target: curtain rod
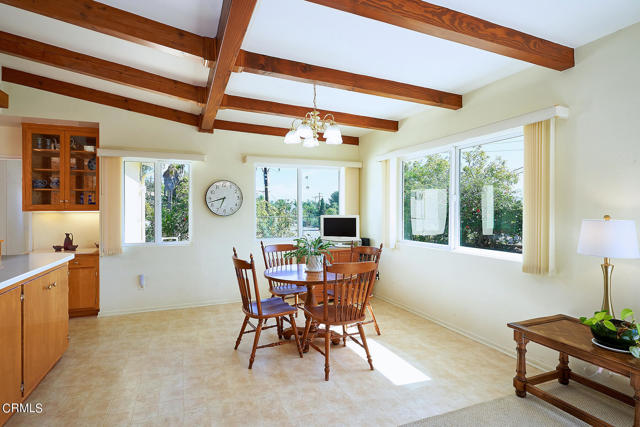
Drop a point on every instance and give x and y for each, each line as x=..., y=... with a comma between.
x=524, y=119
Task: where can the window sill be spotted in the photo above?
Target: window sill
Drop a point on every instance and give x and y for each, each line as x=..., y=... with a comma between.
x=504, y=256
x=155, y=245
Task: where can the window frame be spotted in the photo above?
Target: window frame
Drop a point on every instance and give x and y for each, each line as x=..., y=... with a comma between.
x=157, y=176
x=299, y=176
x=454, y=149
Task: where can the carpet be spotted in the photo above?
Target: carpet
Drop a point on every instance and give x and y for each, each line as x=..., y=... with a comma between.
x=531, y=411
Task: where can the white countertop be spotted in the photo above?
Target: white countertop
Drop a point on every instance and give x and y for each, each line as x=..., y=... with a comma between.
x=16, y=268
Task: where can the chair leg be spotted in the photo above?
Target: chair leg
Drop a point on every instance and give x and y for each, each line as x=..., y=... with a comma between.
x=327, y=345
x=307, y=327
x=295, y=303
x=373, y=316
x=255, y=342
x=344, y=336
x=364, y=343
x=295, y=334
x=244, y=325
x=279, y=327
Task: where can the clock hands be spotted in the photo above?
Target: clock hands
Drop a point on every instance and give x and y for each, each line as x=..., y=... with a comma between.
x=221, y=198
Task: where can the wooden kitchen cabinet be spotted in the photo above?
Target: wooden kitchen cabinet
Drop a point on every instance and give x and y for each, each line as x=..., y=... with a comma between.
x=60, y=168
x=10, y=350
x=84, y=286
x=45, y=325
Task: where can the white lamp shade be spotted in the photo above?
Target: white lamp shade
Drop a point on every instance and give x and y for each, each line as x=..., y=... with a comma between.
x=304, y=131
x=292, y=137
x=608, y=239
x=334, y=140
x=310, y=142
x=332, y=135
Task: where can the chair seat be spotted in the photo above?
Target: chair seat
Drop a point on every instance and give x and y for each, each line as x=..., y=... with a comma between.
x=283, y=291
x=336, y=315
x=273, y=307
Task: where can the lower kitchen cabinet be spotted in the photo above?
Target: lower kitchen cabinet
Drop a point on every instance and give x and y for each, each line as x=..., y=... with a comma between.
x=45, y=325
x=84, y=286
x=10, y=350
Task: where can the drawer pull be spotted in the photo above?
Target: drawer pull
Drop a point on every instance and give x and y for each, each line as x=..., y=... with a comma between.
x=52, y=285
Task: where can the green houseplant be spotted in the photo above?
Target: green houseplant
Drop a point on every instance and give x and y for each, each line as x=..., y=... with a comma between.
x=620, y=333
x=312, y=250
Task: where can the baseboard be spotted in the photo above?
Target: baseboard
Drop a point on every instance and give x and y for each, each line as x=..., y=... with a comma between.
x=508, y=351
x=106, y=313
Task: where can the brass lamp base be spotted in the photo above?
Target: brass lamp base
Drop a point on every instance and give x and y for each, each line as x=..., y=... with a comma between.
x=607, y=271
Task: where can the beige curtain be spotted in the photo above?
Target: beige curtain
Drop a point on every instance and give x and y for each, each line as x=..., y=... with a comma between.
x=389, y=176
x=537, y=199
x=111, y=205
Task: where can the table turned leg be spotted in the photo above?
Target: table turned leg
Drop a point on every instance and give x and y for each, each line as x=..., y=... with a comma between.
x=520, y=380
x=563, y=369
x=635, y=383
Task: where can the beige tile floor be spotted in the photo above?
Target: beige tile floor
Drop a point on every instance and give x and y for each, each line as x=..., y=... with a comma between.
x=178, y=367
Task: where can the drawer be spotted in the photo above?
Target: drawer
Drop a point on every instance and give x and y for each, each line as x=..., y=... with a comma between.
x=81, y=261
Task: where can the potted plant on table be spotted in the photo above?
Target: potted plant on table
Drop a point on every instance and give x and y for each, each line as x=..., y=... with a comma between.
x=620, y=334
x=313, y=250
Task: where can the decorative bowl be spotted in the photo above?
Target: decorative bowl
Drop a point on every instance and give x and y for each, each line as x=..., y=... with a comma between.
x=611, y=338
x=57, y=248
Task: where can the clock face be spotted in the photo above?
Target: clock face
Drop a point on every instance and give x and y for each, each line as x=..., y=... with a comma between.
x=224, y=198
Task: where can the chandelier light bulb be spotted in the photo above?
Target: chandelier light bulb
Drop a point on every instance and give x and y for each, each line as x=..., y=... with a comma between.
x=305, y=131
x=292, y=137
x=310, y=142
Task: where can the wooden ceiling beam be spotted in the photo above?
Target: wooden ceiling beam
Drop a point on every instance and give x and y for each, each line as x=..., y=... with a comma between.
x=125, y=25
x=269, y=130
x=286, y=69
x=88, y=65
x=268, y=107
x=4, y=99
x=11, y=75
x=92, y=95
x=437, y=21
x=234, y=20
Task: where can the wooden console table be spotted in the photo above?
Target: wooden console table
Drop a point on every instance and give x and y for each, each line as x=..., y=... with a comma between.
x=569, y=337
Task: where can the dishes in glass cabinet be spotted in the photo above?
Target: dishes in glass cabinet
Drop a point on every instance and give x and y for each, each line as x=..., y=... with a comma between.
x=54, y=182
x=40, y=183
x=91, y=164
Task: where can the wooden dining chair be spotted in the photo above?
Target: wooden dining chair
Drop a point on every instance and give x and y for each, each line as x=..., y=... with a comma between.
x=351, y=291
x=262, y=310
x=368, y=253
x=274, y=256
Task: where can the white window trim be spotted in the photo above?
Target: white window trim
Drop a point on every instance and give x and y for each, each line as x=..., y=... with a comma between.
x=454, y=200
x=299, y=168
x=158, y=203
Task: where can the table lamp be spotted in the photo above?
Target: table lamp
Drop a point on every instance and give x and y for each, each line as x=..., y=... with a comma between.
x=608, y=238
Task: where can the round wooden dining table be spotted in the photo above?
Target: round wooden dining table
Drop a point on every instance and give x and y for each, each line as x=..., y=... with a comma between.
x=296, y=274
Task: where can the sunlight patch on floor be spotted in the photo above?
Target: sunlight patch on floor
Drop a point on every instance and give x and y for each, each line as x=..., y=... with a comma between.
x=393, y=367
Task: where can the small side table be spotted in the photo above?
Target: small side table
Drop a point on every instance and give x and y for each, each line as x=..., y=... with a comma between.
x=569, y=337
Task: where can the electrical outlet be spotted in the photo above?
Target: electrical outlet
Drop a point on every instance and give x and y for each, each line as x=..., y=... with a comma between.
x=141, y=281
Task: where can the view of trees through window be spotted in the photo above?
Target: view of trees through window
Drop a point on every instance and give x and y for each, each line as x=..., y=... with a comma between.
x=141, y=205
x=490, y=196
x=277, y=189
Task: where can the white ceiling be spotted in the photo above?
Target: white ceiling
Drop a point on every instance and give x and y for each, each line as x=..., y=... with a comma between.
x=302, y=31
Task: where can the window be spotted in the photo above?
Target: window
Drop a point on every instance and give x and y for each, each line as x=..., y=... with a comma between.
x=157, y=202
x=484, y=208
x=290, y=201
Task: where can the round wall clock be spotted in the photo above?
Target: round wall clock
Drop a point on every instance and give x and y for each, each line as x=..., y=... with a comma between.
x=223, y=198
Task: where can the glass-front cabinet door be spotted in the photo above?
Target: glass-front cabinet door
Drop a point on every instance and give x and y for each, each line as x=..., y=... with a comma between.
x=42, y=169
x=60, y=168
x=82, y=170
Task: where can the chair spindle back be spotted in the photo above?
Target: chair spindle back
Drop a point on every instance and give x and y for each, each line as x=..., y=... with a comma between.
x=249, y=292
x=352, y=288
x=274, y=255
x=366, y=253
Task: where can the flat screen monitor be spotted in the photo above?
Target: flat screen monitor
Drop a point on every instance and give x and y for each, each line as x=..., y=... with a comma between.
x=340, y=227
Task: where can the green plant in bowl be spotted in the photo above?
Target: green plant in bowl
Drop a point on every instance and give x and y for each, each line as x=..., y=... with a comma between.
x=620, y=333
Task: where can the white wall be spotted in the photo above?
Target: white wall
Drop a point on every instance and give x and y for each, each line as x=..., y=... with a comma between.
x=598, y=172
x=49, y=228
x=200, y=273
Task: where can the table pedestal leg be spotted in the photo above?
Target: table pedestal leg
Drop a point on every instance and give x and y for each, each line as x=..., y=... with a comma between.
x=520, y=380
x=563, y=369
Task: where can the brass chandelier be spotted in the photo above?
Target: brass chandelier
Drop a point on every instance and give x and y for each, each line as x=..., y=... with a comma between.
x=307, y=129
